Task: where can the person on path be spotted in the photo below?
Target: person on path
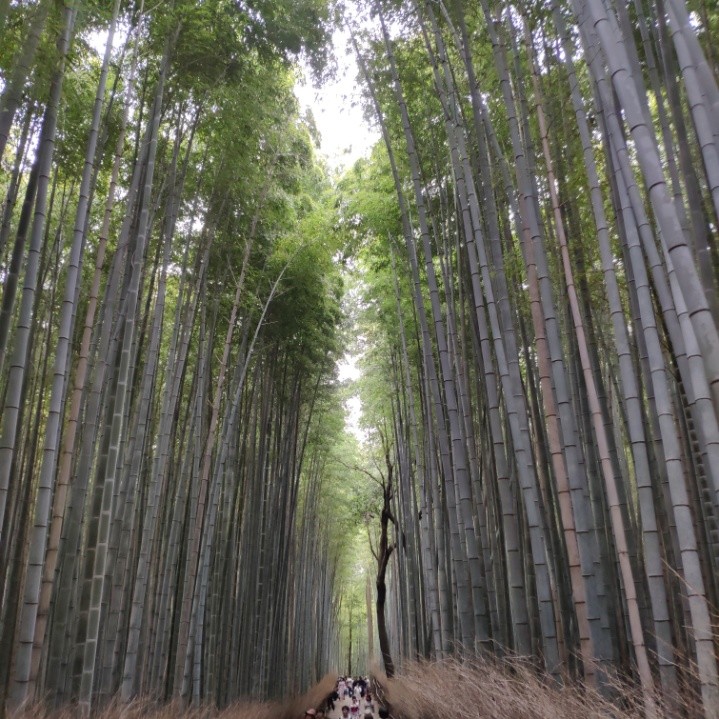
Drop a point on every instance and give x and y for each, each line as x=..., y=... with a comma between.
x=368, y=705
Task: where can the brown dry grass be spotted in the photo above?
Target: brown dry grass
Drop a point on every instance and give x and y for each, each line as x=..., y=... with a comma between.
x=473, y=689
x=493, y=689
x=146, y=709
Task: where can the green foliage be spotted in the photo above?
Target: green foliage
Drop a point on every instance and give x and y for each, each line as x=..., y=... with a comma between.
x=79, y=92
x=290, y=27
x=370, y=218
x=214, y=38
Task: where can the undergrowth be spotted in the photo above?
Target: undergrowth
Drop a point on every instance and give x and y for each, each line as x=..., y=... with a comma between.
x=510, y=689
x=470, y=689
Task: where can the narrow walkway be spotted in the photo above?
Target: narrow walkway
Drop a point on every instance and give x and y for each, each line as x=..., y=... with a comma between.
x=347, y=701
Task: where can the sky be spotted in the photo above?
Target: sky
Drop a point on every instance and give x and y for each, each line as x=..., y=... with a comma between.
x=346, y=134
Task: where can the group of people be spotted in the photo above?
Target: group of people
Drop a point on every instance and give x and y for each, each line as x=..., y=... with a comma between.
x=354, y=697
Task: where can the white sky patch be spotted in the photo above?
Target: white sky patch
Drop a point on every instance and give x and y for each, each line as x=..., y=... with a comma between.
x=349, y=371
x=336, y=106
x=97, y=39
x=348, y=368
x=353, y=416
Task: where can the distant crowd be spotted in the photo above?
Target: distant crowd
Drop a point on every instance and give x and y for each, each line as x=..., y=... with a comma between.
x=356, y=693
x=355, y=699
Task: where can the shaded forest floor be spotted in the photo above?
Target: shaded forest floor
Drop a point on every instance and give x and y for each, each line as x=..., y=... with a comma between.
x=431, y=690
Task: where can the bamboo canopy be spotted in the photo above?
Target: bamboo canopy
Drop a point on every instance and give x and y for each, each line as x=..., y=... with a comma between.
x=526, y=266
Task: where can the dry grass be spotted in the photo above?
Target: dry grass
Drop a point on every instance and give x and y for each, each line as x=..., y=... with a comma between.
x=473, y=689
x=493, y=689
x=145, y=709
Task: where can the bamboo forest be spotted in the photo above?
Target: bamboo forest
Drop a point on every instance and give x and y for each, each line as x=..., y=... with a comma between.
x=440, y=410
